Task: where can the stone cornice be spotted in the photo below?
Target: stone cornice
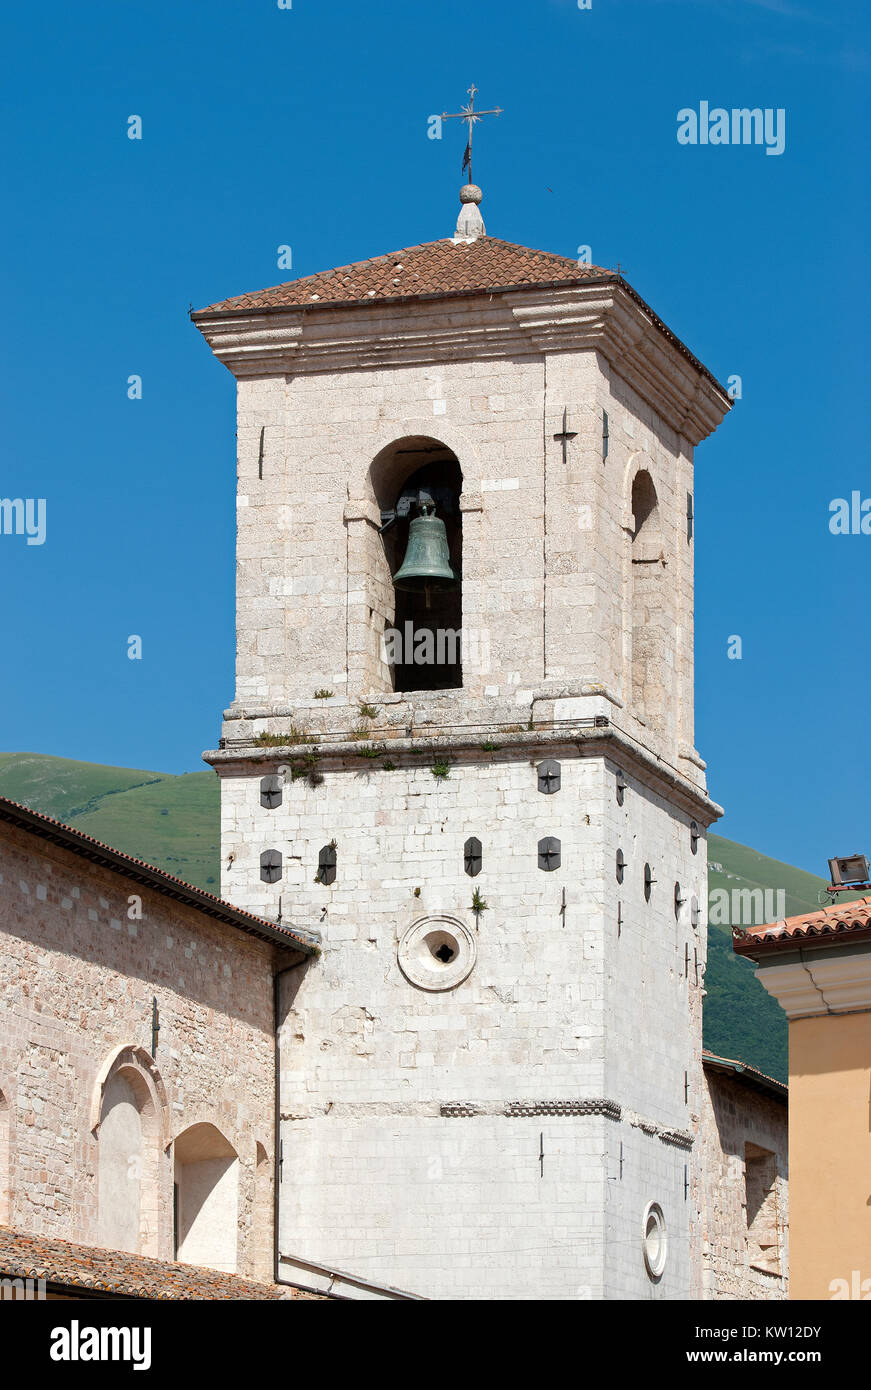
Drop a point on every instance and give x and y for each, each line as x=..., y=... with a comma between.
x=605, y=316
x=563, y=1108
x=810, y=982
x=590, y=739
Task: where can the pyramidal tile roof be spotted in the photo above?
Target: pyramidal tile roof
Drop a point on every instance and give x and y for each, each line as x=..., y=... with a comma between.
x=435, y=269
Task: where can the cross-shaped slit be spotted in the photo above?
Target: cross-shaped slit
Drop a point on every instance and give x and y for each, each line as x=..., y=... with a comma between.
x=444, y=953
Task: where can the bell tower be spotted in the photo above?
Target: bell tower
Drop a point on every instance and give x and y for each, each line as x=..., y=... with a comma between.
x=461, y=750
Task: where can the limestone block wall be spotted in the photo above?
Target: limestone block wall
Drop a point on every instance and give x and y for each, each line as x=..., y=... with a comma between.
x=657, y=956
x=653, y=1003
x=737, y=1119
x=316, y=619
x=642, y=1167
x=451, y=1208
x=77, y=979
x=641, y=439
x=547, y=544
x=439, y=1139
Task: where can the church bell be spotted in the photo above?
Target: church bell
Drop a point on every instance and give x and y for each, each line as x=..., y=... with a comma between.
x=427, y=564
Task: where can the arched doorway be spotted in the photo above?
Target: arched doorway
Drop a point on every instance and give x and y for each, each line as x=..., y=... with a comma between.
x=206, y=1199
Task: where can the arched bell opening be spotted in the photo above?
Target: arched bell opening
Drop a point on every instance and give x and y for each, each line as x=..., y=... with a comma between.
x=645, y=508
x=417, y=484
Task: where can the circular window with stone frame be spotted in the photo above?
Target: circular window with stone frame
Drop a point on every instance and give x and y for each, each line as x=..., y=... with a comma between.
x=654, y=1241
x=436, y=952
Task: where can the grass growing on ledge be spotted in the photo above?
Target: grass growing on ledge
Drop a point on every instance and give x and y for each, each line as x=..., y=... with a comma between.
x=478, y=903
x=441, y=770
x=293, y=736
x=306, y=765
x=369, y=751
x=368, y=712
x=323, y=694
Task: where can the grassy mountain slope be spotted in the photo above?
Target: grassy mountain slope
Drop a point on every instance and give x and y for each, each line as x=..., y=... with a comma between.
x=746, y=868
x=60, y=787
x=173, y=822
x=741, y=1019
x=170, y=821
x=739, y=1013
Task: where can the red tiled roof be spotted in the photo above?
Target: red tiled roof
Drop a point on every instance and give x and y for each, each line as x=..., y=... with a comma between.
x=83, y=1267
x=35, y=823
x=438, y=270
x=434, y=269
x=841, y=922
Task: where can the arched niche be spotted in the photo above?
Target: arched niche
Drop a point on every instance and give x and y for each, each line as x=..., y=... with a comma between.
x=206, y=1198
x=131, y=1055
x=259, y=1252
x=649, y=677
x=129, y=1119
x=5, y=1161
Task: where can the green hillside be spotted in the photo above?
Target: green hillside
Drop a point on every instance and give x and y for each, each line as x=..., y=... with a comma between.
x=62, y=788
x=170, y=821
x=741, y=1018
x=174, y=823
x=746, y=868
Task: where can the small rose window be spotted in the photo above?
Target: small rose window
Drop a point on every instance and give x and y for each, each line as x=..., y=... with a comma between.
x=654, y=1238
x=436, y=953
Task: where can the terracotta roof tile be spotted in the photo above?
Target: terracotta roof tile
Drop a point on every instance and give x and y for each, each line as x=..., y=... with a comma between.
x=841, y=921
x=69, y=1266
x=435, y=268
x=742, y=1071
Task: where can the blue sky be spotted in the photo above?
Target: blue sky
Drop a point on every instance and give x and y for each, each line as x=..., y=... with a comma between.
x=307, y=127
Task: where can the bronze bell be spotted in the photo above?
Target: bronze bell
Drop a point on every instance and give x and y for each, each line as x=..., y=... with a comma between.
x=427, y=563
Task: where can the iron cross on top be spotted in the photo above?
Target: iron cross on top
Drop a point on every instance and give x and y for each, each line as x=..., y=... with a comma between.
x=470, y=116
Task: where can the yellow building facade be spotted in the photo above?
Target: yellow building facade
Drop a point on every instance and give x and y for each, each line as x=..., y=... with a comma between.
x=818, y=967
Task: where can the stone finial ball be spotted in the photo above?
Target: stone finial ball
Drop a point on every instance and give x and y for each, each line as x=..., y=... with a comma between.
x=470, y=193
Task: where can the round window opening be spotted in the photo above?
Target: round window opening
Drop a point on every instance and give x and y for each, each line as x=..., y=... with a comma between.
x=654, y=1240
x=443, y=946
x=436, y=952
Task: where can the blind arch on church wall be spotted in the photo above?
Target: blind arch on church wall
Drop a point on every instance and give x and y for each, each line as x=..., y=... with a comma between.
x=207, y=1171
x=130, y=1121
x=5, y=1160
